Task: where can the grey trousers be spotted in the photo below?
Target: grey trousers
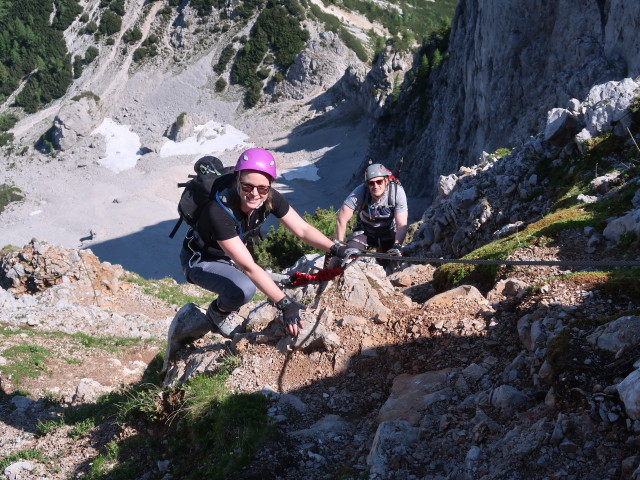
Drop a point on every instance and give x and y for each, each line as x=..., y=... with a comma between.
x=220, y=276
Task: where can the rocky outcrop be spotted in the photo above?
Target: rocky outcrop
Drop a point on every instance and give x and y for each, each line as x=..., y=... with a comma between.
x=501, y=194
x=39, y=266
x=181, y=129
x=385, y=80
x=509, y=63
x=47, y=287
x=326, y=70
x=75, y=121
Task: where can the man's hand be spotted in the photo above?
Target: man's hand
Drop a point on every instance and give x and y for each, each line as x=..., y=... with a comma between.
x=395, y=250
x=342, y=251
x=291, y=315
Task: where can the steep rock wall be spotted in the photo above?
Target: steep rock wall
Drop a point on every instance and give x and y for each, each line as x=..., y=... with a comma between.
x=510, y=61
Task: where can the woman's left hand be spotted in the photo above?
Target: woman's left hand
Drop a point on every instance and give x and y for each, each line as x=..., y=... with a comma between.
x=291, y=315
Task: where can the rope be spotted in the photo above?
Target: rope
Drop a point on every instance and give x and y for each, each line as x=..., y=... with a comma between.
x=298, y=278
x=560, y=263
x=326, y=274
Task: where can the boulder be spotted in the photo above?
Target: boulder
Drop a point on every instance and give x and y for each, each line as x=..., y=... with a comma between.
x=629, y=391
x=629, y=223
x=561, y=126
x=412, y=394
x=76, y=120
x=620, y=334
x=392, y=439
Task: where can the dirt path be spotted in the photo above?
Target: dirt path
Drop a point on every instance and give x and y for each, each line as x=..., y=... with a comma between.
x=352, y=18
x=119, y=80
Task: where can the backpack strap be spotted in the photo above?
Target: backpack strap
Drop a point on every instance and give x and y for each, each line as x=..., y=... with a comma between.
x=228, y=210
x=391, y=198
x=175, y=228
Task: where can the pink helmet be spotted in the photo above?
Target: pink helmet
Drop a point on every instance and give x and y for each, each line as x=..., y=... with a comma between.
x=257, y=159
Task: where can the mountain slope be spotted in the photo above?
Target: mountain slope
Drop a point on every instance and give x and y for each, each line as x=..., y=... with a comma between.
x=507, y=64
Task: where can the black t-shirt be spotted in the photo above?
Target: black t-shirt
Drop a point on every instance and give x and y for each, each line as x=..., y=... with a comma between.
x=216, y=223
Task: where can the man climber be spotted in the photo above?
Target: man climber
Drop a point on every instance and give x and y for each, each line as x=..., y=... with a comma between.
x=382, y=216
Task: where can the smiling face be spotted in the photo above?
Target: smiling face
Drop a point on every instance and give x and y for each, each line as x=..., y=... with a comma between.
x=253, y=189
x=377, y=186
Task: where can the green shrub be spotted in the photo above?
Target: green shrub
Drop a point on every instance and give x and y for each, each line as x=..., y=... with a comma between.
x=46, y=85
x=245, y=9
x=31, y=41
x=221, y=85
x=5, y=138
x=275, y=29
x=203, y=7
x=117, y=6
x=180, y=120
x=9, y=194
x=227, y=53
x=132, y=35
x=254, y=92
x=110, y=23
x=281, y=249
x=226, y=429
x=7, y=121
x=90, y=54
x=77, y=66
x=139, y=54
x=354, y=44
x=91, y=28
x=66, y=13
x=151, y=40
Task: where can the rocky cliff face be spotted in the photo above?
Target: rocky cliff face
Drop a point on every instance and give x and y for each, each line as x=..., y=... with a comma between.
x=509, y=62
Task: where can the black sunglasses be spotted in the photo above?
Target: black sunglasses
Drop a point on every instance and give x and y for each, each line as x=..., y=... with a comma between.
x=371, y=183
x=248, y=188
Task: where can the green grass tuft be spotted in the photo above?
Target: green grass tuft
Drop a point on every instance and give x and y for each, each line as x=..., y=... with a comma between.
x=9, y=194
x=26, y=361
x=29, y=454
x=168, y=290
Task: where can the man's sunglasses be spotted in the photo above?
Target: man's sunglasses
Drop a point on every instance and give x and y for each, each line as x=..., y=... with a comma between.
x=248, y=188
x=371, y=183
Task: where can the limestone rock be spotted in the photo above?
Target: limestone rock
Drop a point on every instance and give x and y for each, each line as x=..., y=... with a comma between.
x=411, y=394
x=629, y=390
x=614, y=336
x=75, y=121
x=392, y=436
x=629, y=223
x=450, y=296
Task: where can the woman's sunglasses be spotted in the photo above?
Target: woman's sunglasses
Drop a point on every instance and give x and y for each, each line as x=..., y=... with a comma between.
x=371, y=183
x=248, y=188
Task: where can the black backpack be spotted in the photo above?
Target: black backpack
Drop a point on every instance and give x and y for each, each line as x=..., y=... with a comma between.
x=198, y=191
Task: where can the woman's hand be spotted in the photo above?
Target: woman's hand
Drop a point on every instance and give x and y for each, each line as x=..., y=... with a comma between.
x=291, y=315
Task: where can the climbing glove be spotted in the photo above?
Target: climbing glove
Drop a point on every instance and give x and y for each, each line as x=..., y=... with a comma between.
x=290, y=311
x=343, y=251
x=395, y=250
